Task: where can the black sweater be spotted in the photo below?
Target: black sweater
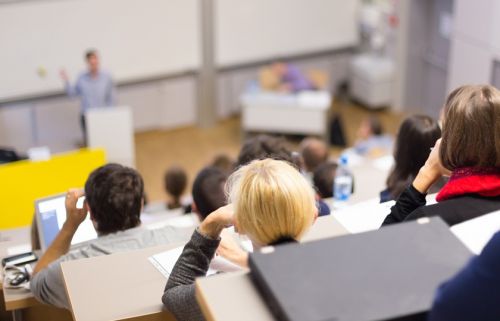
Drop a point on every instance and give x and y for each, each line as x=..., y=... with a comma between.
x=411, y=206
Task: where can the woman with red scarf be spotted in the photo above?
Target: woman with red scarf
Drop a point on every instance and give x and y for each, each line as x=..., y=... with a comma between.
x=470, y=151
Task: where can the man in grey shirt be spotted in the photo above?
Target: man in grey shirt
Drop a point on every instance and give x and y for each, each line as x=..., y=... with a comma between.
x=94, y=87
x=114, y=196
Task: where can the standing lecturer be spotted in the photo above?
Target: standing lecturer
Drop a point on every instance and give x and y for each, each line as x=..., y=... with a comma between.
x=95, y=87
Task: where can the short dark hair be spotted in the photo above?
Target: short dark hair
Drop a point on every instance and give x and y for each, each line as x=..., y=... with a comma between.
x=262, y=147
x=323, y=179
x=471, y=128
x=114, y=194
x=175, y=181
x=90, y=53
x=208, y=190
x=224, y=162
x=375, y=125
x=314, y=152
x=416, y=135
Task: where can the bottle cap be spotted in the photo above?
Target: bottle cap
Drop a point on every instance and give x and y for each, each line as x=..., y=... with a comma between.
x=343, y=160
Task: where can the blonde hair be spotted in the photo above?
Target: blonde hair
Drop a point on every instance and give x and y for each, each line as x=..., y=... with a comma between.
x=272, y=201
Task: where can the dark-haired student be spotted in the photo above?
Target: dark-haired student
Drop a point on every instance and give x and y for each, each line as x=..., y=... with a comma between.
x=175, y=182
x=314, y=153
x=262, y=147
x=416, y=136
x=114, y=199
x=208, y=191
x=323, y=178
x=470, y=151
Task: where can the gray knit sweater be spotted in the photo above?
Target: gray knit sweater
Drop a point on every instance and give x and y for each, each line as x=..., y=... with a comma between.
x=179, y=296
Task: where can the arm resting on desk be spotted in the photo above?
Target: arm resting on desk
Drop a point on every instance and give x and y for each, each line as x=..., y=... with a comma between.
x=179, y=297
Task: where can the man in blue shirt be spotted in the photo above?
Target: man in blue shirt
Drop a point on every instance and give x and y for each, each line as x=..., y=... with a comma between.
x=94, y=87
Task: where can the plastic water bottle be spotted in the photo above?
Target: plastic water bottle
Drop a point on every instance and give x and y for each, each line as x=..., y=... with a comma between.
x=342, y=185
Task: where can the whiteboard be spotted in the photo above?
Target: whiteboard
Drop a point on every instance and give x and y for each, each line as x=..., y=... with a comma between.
x=253, y=30
x=137, y=39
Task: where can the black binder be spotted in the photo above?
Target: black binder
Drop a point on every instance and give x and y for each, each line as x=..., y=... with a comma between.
x=388, y=274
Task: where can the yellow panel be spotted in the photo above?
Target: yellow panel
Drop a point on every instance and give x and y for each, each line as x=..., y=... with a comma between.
x=21, y=183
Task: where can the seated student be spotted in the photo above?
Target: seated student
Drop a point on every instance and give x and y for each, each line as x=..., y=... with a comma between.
x=323, y=179
x=262, y=147
x=470, y=149
x=113, y=199
x=208, y=191
x=264, y=195
x=224, y=162
x=314, y=153
x=175, y=182
x=472, y=294
x=416, y=136
x=372, y=141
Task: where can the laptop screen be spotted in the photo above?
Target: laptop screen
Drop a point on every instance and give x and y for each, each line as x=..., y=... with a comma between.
x=51, y=215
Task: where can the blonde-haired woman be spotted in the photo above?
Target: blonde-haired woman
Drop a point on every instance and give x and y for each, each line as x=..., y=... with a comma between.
x=270, y=202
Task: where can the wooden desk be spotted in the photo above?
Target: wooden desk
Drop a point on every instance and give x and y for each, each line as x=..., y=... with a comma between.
x=10, y=241
x=238, y=299
x=20, y=303
x=121, y=286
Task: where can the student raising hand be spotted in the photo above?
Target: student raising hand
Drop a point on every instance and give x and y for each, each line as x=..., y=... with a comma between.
x=75, y=216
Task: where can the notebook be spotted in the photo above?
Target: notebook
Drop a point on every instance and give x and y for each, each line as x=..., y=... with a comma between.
x=387, y=274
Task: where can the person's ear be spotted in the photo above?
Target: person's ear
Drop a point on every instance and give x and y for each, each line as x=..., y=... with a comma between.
x=87, y=208
x=194, y=208
x=316, y=214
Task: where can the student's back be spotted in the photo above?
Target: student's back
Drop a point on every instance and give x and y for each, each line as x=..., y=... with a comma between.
x=114, y=198
x=473, y=294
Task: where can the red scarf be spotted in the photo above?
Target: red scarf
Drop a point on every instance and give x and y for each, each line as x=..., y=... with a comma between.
x=470, y=180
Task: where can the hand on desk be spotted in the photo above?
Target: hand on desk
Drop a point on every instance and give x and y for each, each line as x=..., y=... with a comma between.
x=230, y=250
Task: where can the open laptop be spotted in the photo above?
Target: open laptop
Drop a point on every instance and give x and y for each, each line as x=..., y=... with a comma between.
x=50, y=215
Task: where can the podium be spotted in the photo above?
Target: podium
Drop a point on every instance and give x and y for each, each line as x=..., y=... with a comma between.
x=303, y=113
x=111, y=128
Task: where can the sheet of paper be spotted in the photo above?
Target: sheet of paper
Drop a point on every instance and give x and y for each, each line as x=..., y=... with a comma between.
x=363, y=216
x=477, y=232
x=165, y=262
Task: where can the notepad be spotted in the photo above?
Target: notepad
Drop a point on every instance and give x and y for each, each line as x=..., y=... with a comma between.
x=165, y=262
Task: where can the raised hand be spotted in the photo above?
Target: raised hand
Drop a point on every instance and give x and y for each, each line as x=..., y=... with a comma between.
x=74, y=216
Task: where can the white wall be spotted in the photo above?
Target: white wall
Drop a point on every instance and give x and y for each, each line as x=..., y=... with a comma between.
x=265, y=29
x=136, y=39
x=475, y=42
x=165, y=103
x=55, y=122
